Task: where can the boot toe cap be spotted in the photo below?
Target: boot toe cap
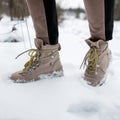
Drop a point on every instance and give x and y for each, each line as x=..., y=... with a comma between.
x=16, y=76
x=93, y=79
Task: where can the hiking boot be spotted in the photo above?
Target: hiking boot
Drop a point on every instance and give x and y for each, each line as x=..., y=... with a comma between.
x=44, y=61
x=96, y=61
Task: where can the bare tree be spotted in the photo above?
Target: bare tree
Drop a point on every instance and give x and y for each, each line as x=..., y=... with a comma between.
x=117, y=10
x=14, y=8
x=18, y=9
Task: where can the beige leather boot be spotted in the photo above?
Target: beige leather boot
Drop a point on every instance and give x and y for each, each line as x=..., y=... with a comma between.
x=43, y=61
x=97, y=61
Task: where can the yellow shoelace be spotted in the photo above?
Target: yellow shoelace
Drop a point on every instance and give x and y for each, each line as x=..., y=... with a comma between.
x=91, y=60
x=34, y=54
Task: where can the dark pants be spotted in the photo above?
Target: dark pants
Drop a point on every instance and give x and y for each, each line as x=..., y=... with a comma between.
x=52, y=22
x=109, y=18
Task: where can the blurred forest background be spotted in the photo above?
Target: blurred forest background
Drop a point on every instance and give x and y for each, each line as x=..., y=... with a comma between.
x=17, y=9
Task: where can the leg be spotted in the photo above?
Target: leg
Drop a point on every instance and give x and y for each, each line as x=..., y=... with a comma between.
x=45, y=59
x=45, y=21
x=100, y=17
x=37, y=11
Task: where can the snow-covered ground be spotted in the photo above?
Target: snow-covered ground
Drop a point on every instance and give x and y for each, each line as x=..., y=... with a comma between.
x=76, y=4
x=65, y=98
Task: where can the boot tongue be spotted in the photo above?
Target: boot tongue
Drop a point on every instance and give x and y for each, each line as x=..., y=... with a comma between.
x=38, y=43
x=100, y=44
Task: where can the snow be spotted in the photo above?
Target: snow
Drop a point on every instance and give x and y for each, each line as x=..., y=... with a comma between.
x=76, y=4
x=65, y=98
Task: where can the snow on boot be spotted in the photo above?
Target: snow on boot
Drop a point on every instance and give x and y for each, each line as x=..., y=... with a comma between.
x=96, y=61
x=43, y=61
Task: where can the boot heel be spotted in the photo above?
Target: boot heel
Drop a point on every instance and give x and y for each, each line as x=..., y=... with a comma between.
x=55, y=74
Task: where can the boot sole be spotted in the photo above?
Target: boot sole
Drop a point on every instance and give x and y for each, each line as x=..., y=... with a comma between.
x=52, y=75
